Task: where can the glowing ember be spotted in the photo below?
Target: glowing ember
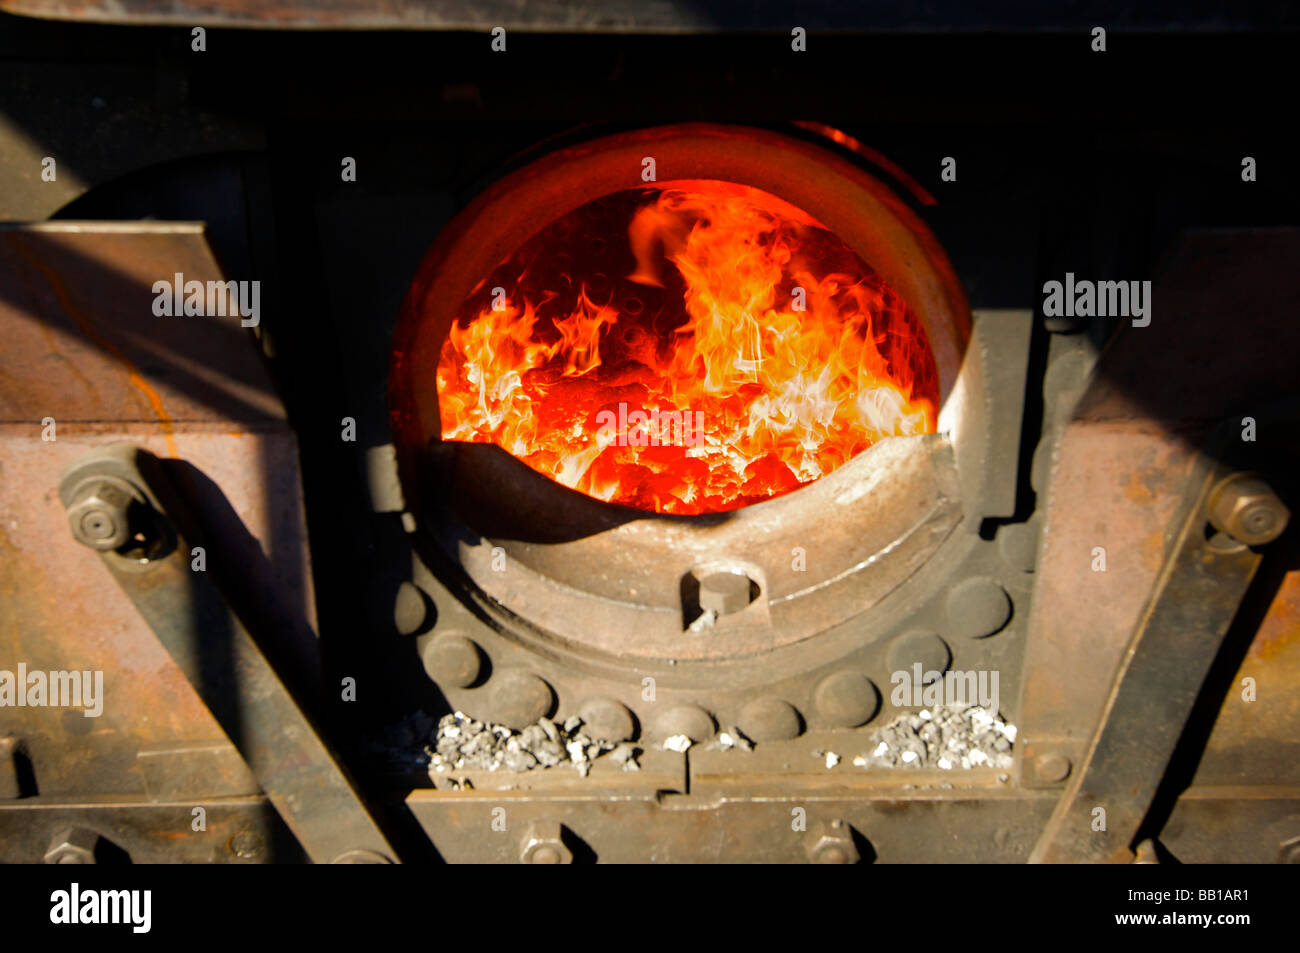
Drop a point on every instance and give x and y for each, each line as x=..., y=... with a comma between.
x=690, y=348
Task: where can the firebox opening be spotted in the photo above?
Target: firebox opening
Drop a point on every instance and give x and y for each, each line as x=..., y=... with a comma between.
x=693, y=346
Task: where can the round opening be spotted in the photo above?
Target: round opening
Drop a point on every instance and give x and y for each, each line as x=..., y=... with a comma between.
x=573, y=285
x=689, y=347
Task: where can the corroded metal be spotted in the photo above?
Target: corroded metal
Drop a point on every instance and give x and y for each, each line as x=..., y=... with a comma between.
x=194, y=620
x=1159, y=679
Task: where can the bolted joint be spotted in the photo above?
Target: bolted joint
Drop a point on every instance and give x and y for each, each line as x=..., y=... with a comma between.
x=97, y=514
x=73, y=845
x=1245, y=507
x=543, y=843
x=725, y=592
x=832, y=843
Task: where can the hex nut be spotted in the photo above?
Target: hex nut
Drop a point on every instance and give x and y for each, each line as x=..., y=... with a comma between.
x=832, y=843
x=98, y=514
x=726, y=592
x=543, y=843
x=1247, y=509
x=73, y=845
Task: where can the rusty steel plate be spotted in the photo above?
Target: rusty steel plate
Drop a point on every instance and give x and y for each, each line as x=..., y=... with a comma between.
x=83, y=346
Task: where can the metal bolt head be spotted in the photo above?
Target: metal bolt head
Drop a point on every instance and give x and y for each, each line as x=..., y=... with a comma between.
x=1247, y=509
x=245, y=844
x=978, y=607
x=73, y=845
x=726, y=592
x=97, y=515
x=832, y=843
x=846, y=699
x=518, y=698
x=689, y=720
x=770, y=719
x=1052, y=766
x=452, y=659
x=606, y=719
x=543, y=843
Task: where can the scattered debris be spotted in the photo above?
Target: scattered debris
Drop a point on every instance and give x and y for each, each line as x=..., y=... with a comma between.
x=678, y=743
x=463, y=743
x=625, y=754
x=730, y=738
x=947, y=737
x=832, y=759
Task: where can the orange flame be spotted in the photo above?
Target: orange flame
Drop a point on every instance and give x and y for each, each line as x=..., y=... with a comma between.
x=735, y=308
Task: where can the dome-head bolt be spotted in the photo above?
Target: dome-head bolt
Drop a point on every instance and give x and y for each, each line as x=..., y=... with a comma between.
x=97, y=515
x=451, y=658
x=543, y=843
x=518, y=698
x=605, y=719
x=1247, y=509
x=770, y=719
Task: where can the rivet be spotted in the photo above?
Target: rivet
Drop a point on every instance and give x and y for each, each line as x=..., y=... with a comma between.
x=519, y=698
x=689, y=720
x=605, y=719
x=977, y=608
x=846, y=699
x=452, y=659
x=412, y=610
x=770, y=719
x=918, y=646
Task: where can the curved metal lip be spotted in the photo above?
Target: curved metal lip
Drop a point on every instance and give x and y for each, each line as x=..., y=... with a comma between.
x=866, y=214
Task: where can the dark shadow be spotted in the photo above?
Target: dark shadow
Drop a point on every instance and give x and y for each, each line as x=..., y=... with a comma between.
x=24, y=773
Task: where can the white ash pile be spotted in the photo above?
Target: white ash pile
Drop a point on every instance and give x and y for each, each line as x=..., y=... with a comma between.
x=947, y=737
x=463, y=743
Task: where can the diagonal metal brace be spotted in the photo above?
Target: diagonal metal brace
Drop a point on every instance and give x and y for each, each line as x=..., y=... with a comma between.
x=1160, y=676
x=211, y=645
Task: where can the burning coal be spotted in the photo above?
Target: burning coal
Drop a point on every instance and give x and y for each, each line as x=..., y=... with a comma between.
x=693, y=301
